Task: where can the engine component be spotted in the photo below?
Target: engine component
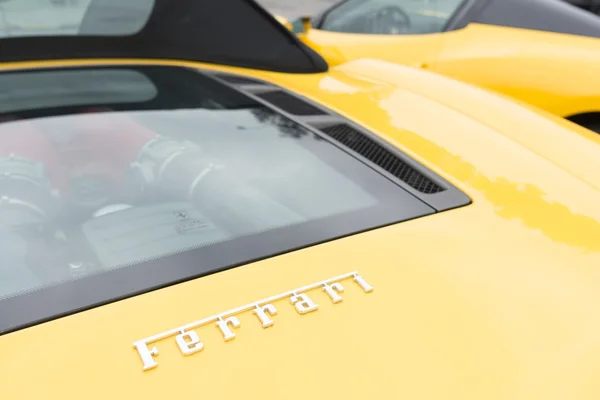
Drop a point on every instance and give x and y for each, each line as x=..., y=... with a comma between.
x=243, y=207
x=24, y=189
x=168, y=168
x=181, y=171
x=142, y=233
x=86, y=193
x=101, y=145
x=111, y=209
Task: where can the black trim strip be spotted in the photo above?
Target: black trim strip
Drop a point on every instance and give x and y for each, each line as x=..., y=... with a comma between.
x=451, y=197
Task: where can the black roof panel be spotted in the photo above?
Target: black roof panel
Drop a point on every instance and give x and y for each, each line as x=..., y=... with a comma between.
x=230, y=32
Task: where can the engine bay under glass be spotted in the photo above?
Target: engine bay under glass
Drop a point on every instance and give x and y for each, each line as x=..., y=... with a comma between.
x=105, y=168
x=119, y=180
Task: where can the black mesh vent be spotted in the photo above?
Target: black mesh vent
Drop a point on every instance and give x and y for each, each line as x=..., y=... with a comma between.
x=379, y=155
x=239, y=80
x=290, y=104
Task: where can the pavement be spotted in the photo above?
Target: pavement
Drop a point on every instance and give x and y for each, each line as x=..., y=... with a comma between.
x=295, y=8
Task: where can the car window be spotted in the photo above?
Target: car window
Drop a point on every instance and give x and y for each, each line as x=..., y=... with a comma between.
x=390, y=17
x=73, y=88
x=118, y=180
x=72, y=17
x=543, y=15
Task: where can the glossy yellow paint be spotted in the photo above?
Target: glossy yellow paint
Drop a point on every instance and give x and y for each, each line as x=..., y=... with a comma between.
x=555, y=72
x=497, y=300
x=337, y=48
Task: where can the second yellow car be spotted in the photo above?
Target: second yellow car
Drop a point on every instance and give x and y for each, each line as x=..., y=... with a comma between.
x=543, y=52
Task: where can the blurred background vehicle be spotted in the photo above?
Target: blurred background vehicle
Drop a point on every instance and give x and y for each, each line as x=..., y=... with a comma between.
x=543, y=52
x=294, y=8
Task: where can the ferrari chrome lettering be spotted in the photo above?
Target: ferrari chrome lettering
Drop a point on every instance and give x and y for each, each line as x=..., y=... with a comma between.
x=147, y=355
x=263, y=312
x=189, y=342
x=363, y=284
x=333, y=290
x=224, y=324
x=303, y=303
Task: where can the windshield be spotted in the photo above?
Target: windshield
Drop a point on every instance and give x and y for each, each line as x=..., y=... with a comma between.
x=390, y=17
x=118, y=180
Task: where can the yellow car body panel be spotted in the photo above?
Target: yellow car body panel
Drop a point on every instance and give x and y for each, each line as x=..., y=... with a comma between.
x=496, y=300
x=338, y=48
x=552, y=71
x=555, y=72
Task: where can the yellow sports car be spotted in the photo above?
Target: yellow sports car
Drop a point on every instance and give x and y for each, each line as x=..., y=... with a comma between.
x=543, y=52
x=193, y=205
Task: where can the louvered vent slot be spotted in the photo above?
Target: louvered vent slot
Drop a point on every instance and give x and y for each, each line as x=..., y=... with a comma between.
x=239, y=80
x=290, y=104
x=368, y=148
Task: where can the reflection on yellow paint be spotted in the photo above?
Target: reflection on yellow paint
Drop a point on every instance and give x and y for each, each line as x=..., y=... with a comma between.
x=511, y=200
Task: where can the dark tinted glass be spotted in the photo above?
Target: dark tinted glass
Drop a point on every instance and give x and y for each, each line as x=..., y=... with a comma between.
x=390, y=17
